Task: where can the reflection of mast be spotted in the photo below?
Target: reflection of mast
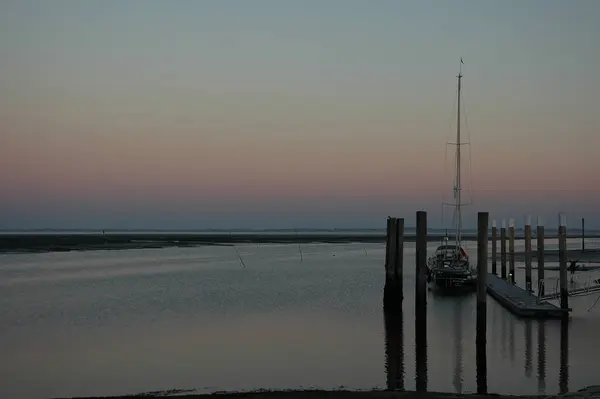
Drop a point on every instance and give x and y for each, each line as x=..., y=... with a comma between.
x=541, y=357
x=394, y=349
x=458, y=351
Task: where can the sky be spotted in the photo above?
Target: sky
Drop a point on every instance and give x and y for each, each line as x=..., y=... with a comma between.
x=288, y=114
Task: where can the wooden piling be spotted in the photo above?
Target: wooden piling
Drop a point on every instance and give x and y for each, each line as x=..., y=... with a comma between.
x=482, y=258
x=503, y=250
x=399, y=259
x=540, y=256
x=511, y=249
x=562, y=264
x=421, y=303
x=389, y=248
x=528, y=285
x=494, y=242
x=582, y=235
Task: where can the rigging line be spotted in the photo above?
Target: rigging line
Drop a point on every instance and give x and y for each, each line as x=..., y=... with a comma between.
x=470, y=159
x=445, y=174
x=595, y=303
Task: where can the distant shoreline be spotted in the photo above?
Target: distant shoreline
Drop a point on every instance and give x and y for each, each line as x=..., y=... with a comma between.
x=62, y=242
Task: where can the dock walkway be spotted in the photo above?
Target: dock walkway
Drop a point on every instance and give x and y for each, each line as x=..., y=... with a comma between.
x=519, y=301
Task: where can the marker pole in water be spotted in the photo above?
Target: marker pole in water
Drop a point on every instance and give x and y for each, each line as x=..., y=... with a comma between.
x=421, y=303
x=399, y=261
x=528, y=286
x=562, y=262
x=503, y=250
x=540, y=256
x=494, y=242
x=511, y=249
x=482, y=259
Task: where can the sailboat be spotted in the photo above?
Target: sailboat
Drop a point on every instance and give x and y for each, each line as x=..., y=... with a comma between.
x=450, y=268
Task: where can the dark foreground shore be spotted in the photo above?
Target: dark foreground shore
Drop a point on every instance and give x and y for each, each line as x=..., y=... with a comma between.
x=40, y=242
x=591, y=392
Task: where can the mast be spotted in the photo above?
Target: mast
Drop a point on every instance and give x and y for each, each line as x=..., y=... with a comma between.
x=457, y=187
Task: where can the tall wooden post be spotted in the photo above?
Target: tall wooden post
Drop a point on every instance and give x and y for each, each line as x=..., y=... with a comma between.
x=582, y=235
x=494, y=243
x=562, y=264
x=528, y=285
x=503, y=250
x=540, y=256
x=511, y=249
x=482, y=259
x=399, y=259
x=389, y=247
x=421, y=302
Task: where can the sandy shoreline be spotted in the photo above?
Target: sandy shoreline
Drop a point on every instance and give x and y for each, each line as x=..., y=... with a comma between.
x=40, y=242
x=591, y=392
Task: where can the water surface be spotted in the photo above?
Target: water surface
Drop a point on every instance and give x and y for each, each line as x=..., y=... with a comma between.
x=117, y=322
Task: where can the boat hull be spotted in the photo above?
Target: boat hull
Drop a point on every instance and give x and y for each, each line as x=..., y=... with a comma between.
x=449, y=282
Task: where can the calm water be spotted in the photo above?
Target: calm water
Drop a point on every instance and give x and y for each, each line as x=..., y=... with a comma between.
x=104, y=323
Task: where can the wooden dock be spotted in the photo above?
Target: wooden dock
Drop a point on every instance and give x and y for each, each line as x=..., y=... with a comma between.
x=520, y=302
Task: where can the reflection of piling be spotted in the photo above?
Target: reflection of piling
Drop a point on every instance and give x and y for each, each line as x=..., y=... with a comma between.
x=494, y=242
x=541, y=357
x=528, y=339
x=540, y=257
x=421, y=302
x=562, y=264
x=482, y=257
x=503, y=250
x=511, y=250
x=564, y=356
x=394, y=254
x=394, y=349
x=528, y=286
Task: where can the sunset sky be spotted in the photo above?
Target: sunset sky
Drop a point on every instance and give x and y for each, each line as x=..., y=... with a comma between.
x=324, y=113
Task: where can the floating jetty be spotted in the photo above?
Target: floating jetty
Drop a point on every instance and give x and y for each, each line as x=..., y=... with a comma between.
x=520, y=302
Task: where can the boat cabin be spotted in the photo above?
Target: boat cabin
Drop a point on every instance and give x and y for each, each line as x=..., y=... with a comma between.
x=449, y=255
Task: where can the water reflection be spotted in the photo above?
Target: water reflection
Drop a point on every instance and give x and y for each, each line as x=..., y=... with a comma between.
x=564, y=356
x=457, y=381
x=541, y=357
x=394, y=349
x=528, y=349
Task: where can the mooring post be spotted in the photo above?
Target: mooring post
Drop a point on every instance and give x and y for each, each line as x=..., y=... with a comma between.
x=503, y=250
x=389, y=245
x=482, y=259
x=582, y=235
x=540, y=256
x=562, y=264
x=494, y=240
x=528, y=285
x=399, y=259
x=421, y=302
x=389, y=289
x=511, y=249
